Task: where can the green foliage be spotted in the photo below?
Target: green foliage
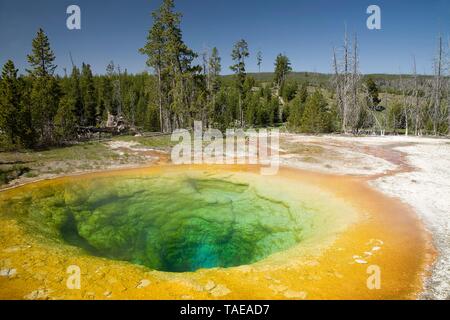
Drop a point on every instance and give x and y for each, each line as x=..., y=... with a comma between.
x=373, y=92
x=9, y=104
x=261, y=110
x=73, y=90
x=172, y=60
x=239, y=54
x=15, y=117
x=44, y=100
x=289, y=90
x=214, y=70
x=104, y=98
x=303, y=93
x=282, y=69
x=316, y=117
x=259, y=60
x=42, y=57
x=45, y=93
x=296, y=109
x=66, y=119
x=395, y=117
x=88, y=95
x=226, y=108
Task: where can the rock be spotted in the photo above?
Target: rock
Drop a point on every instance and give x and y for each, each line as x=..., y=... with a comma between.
x=8, y=273
x=17, y=248
x=361, y=261
x=314, y=277
x=220, y=291
x=143, y=283
x=290, y=294
x=39, y=294
x=272, y=279
x=278, y=288
x=90, y=295
x=112, y=280
x=311, y=263
x=210, y=285
x=377, y=242
x=245, y=269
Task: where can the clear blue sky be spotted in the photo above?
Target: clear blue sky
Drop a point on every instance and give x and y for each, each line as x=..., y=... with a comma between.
x=304, y=30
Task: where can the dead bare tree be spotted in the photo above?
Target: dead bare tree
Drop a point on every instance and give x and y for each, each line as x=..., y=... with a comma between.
x=338, y=85
x=346, y=81
x=406, y=101
x=355, y=105
x=448, y=90
x=416, y=105
x=438, y=86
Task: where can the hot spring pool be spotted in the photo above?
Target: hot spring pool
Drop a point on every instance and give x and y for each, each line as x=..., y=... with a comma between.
x=177, y=220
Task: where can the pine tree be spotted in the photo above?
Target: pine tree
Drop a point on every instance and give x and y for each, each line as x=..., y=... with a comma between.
x=9, y=104
x=373, y=93
x=15, y=118
x=172, y=60
x=45, y=93
x=44, y=101
x=239, y=54
x=282, y=69
x=74, y=91
x=259, y=60
x=315, y=118
x=297, y=107
x=214, y=70
x=88, y=95
x=66, y=120
x=303, y=93
x=155, y=50
x=41, y=59
x=104, y=104
x=289, y=90
x=179, y=56
x=179, y=63
x=24, y=116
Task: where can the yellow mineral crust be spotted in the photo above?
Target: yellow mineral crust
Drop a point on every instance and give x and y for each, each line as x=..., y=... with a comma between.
x=384, y=236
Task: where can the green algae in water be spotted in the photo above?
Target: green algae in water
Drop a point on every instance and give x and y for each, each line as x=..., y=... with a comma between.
x=172, y=222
